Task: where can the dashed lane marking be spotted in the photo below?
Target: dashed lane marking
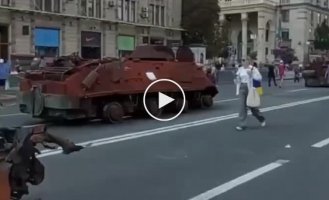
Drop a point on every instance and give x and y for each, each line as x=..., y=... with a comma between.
x=227, y=100
x=297, y=90
x=210, y=194
x=321, y=143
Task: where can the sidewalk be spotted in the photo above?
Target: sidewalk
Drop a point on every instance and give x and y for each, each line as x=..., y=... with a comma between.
x=9, y=96
x=7, y=99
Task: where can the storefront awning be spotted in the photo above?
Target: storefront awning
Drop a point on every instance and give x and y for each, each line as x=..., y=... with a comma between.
x=126, y=43
x=46, y=37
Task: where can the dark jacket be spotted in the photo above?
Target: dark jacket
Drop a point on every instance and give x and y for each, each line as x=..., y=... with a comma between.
x=271, y=71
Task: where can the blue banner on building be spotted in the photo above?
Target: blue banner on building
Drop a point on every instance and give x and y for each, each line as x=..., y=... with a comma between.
x=46, y=37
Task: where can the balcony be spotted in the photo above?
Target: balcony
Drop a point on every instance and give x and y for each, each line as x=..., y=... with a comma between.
x=285, y=43
x=237, y=3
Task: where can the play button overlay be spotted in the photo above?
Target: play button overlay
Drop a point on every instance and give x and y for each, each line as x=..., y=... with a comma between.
x=164, y=100
x=161, y=96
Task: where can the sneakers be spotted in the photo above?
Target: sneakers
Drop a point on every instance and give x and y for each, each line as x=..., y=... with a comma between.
x=263, y=124
x=240, y=128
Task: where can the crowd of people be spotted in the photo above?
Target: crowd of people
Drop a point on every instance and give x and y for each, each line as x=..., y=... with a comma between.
x=247, y=74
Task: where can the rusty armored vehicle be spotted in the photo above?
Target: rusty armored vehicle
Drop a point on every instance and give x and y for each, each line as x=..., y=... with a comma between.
x=110, y=88
x=316, y=74
x=19, y=165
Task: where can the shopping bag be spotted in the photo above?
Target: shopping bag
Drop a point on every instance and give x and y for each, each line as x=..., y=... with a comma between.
x=259, y=91
x=253, y=98
x=258, y=85
x=7, y=86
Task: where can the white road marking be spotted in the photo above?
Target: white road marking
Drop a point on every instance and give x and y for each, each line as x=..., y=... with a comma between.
x=321, y=143
x=239, y=181
x=13, y=114
x=226, y=100
x=168, y=129
x=297, y=90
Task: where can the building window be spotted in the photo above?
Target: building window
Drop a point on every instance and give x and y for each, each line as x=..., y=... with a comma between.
x=152, y=17
x=312, y=18
x=162, y=16
x=120, y=9
x=145, y=40
x=25, y=30
x=47, y=5
x=266, y=51
x=133, y=11
x=5, y=2
x=285, y=15
x=319, y=18
x=127, y=10
x=91, y=8
x=285, y=35
x=325, y=3
x=267, y=32
x=38, y=5
x=157, y=15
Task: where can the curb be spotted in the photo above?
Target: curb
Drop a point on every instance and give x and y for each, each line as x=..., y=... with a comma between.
x=6, y=100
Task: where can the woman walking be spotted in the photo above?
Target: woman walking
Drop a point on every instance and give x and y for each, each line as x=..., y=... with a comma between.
x=244, y=79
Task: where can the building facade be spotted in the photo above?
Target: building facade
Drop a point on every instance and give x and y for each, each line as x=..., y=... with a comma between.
x=263, y=25
x=94, y=28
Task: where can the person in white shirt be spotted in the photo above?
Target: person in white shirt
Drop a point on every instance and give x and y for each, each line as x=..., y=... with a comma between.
x=244, y=79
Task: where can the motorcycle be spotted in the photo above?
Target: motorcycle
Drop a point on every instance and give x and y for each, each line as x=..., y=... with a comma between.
x=19, y=164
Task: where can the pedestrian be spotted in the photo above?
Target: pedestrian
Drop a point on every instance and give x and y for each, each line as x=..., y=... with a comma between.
x=211, y=74
x=282, y=69
x=42, y=63
x=296, y=74
x=271, y=75
x=4, y=73
x=244, y=79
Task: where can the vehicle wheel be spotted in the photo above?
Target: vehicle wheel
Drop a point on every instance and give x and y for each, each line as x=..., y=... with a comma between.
x=178, y=105
x=113, y=112
x=207, y=101
x=152, y=106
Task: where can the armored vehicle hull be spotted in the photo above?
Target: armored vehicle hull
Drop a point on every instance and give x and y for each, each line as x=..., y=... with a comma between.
x=72, y=88
x=316, y=75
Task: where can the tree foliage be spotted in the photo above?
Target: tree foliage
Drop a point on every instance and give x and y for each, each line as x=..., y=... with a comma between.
x=322, y=36
x=200, y=19
x=285, y=54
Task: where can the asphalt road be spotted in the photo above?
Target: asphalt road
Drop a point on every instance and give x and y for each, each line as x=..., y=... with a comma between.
x=198, y=156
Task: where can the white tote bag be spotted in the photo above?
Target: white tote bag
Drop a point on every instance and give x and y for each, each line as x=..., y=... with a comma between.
x=253, y=98
x=7, y=86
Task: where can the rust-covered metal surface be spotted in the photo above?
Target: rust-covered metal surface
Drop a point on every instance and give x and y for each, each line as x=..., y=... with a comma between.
x=72, y=87
x=316, y=74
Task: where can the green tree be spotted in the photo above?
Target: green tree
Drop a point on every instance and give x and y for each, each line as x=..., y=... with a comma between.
x=321, y=35
x=200, y=19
